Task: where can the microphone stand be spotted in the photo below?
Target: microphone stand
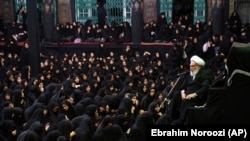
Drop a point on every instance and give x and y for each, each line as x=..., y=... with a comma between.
x=166, y=99
x=165, y=117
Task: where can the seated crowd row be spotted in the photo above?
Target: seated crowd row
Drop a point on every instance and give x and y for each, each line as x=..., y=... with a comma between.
x=153, y=31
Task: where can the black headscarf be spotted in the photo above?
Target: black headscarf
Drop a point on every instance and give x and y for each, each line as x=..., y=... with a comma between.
x=28, y=136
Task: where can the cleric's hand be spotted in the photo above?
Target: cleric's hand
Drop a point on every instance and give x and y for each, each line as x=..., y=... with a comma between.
x=192, y=95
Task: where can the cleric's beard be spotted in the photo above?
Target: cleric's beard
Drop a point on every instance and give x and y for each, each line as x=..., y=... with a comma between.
x=193, y=73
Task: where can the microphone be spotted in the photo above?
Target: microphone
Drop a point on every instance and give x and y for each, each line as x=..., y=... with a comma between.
x=183, y=73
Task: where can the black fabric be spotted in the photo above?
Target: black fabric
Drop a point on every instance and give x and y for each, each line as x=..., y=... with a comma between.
x=137, y=22
x=238, y=58
x=236, y=101
x=34, y=38
x=211, y=113
x=101, y=14
x=218, y=19
x=48, y=26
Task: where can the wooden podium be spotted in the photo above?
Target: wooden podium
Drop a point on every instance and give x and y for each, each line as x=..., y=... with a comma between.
x=64, y=11
x=7, y=11
x=150, y=10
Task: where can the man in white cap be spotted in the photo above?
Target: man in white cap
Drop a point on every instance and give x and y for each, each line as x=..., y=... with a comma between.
x=193, y=89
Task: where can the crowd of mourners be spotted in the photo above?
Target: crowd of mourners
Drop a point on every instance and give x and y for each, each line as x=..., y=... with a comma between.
x=88, y=96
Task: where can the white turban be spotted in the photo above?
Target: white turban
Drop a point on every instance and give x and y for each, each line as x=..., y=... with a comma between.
x=198, y=60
